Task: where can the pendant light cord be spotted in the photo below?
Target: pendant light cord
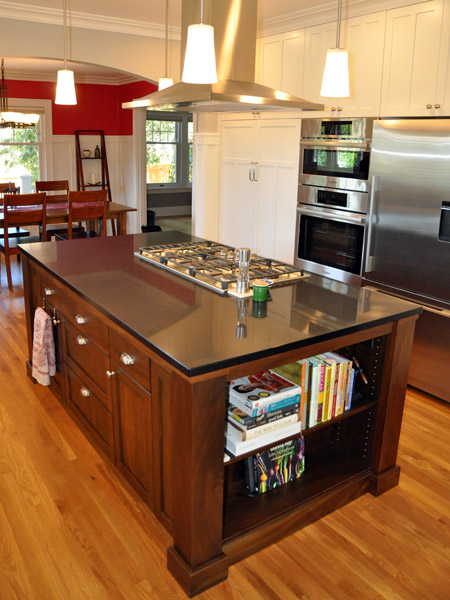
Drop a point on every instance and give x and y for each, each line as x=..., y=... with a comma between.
x=338, y=29
x=65, y=34
x=201, y=12
x=166, y=37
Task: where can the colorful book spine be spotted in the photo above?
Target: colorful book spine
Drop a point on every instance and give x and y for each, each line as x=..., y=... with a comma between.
x=314, y=377
x=326, y=398
x=236, y=446
x=270, y=407
x=247, y=422
x=249, y=434
x=352, y=383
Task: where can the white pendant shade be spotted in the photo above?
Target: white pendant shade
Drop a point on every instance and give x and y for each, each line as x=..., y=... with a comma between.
x=164, y=82
x=200, y=58
x=335, y=83
x=65, y=88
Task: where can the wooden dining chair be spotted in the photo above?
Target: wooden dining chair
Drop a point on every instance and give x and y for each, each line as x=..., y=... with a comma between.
x=57, y=193
x=21, y=210
x=86, y=206
x=10, y=188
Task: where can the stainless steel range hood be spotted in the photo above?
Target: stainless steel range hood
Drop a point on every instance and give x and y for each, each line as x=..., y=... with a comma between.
x=234, y=24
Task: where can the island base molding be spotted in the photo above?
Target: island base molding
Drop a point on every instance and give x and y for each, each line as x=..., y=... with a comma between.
x=194, y=581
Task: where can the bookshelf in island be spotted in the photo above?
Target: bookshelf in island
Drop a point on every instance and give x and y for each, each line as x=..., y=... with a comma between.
x=144, y=361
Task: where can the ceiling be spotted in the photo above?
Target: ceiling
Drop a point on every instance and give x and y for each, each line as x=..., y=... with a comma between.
x=119, y=13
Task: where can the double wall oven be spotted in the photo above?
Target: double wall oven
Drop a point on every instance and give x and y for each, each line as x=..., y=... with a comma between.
x=333, y=197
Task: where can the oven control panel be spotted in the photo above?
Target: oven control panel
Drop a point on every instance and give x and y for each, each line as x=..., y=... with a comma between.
x=332, y=198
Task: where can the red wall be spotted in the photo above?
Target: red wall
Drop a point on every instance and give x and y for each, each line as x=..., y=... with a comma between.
x=98, y=106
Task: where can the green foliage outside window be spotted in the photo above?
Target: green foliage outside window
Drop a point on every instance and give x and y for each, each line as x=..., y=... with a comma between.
x=18, y=148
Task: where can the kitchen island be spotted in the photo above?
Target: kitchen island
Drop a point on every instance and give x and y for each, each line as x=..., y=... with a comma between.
x=143, y=361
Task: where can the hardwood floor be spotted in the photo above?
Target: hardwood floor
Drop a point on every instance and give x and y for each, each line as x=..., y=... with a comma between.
x=181, y=223
x=71, y=528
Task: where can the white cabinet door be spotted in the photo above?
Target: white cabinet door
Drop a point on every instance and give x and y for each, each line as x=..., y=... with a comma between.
x=277, y=174
x=238, y=192
x=280, y=62
x=259, y=178
x=411, y=57
x=318, y=40
x=363, y=37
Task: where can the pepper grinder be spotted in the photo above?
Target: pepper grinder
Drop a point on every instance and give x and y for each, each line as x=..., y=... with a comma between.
x=243, y=282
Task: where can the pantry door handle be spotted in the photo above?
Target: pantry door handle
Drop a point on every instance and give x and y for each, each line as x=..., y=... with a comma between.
x=250, y=171
x=254, y=171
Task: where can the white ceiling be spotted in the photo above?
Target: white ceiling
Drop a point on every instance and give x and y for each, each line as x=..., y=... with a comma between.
x=149, y=13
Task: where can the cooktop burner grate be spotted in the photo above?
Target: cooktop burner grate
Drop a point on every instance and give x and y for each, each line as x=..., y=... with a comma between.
x=216, y=265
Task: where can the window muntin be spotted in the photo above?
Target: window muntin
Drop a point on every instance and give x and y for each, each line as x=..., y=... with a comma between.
x=169, y=140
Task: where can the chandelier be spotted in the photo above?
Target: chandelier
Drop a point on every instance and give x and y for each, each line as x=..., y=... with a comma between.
x=10, y=119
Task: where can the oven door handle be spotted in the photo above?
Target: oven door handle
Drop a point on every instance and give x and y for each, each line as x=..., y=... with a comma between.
x=323, y=214
x=335, y=144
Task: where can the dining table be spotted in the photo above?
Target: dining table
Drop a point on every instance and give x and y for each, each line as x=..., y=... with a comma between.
x=58, y=213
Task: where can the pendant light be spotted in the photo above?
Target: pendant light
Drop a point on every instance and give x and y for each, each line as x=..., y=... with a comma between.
x=200, y=57
x=65, y=86
x=335, y=76
x=10, y=119
x=165, y=82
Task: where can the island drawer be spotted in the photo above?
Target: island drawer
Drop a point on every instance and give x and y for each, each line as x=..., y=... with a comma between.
x=86, y=406
x=89, y=359
x=130, y=356
x=49, y=290
x=86, y=319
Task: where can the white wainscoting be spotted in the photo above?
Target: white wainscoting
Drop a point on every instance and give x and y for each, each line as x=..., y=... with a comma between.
x=121, y=167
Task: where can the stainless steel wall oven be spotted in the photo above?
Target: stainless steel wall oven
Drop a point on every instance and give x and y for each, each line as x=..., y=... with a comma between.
x=333, y=198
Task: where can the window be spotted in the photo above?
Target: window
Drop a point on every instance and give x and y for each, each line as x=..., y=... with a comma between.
x=19, y=157
x=169, y=138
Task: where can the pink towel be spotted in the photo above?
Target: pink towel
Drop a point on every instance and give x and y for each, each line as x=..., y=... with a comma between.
x=44, y=363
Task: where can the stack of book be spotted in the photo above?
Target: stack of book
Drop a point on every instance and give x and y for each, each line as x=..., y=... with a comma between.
x=327, y=382
x=263, y=408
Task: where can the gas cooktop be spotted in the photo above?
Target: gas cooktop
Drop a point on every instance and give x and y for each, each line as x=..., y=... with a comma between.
x=216, y=265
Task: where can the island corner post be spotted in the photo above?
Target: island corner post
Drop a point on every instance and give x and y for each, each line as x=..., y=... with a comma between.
x=192, y=489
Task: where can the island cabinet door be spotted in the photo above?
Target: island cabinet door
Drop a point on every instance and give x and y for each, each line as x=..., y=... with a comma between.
x=132, y=430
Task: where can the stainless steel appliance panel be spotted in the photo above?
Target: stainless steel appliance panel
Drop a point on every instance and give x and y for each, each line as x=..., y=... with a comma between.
x=330, y=243
x=338, y=128
x=407, y=224
x=431, y=353
x=346, y=200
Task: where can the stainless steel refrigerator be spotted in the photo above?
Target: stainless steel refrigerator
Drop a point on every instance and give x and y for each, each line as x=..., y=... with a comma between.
x=408, y=235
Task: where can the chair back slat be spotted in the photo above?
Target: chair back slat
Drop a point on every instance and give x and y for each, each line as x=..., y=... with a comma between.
x=85, y=206
x=24, y=209
x=60, y=186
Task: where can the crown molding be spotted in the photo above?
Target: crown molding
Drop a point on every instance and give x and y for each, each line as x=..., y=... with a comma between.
x=326, y=13
x=26, y=12
x=116, y=78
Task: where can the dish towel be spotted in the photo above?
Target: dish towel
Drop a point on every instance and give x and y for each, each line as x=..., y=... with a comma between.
x=43, y=360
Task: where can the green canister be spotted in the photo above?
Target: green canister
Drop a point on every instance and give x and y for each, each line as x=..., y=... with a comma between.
x=260, y=290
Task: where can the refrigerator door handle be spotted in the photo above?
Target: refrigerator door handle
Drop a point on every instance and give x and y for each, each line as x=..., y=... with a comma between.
x=369, y=259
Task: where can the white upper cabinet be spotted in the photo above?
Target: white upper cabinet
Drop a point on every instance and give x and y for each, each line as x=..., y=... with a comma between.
x=280, y=62
x=363, y=37
x=411, y=61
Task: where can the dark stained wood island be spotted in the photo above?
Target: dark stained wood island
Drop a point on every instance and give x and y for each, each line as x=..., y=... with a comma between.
x=143, y=361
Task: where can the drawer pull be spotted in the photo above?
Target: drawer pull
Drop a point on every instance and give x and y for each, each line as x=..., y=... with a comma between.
x=429, y=106
x=437, y=105
x=127, y=359
x=84, y=391
x=81, y=340
x=48, y=291
x=80, y=319
x=111, y=373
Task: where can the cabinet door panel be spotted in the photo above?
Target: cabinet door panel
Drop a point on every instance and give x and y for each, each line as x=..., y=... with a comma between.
x=317, y=41
x=270, y=61
x=132, y=422
x=411, y=59
x=87, y=407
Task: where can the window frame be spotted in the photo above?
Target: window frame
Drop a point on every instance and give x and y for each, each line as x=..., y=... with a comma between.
x=182, y=183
